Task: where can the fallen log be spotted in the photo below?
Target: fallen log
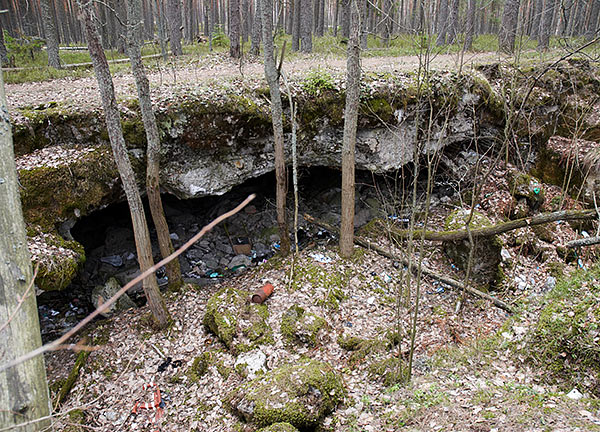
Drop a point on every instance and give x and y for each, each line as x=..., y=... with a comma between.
x=428, y=272
x=588, y=241
x=489, y=231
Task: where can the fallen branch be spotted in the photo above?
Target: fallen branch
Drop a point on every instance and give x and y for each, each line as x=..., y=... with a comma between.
x=448, y=281
x=51, y=346
x=489, y=231
x=588, y=241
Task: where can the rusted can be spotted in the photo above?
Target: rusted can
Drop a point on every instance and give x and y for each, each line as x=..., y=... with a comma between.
x=261, y=295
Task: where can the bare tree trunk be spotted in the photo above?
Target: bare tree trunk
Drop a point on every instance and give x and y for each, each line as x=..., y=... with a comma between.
x=546, y=25
x=345, y=18
x=537, y=18
x=386, y=28
x=23, y=388
x=134, y=37
x=3, y=50
x=296, y=25
x=272, y=76
x=234, y=29
x=443, y=23
x=115, y=134
x=453, y=21
x=349, y=140
x=508, y=29
x=256, y=29
x=363, y=6
x=51, y=33
x=470, y=24
x=306, y=26
x=336, y=13
x=174, y=21
x=246, y=20
x=592, y=27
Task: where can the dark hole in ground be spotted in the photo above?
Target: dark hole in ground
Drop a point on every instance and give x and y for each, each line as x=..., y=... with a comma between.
x=243, y=241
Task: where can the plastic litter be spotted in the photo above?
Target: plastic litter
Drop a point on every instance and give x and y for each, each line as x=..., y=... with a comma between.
x=580, y=263
x=437, y=290
x=574, y=394
x=386, y=278
x=319, y=257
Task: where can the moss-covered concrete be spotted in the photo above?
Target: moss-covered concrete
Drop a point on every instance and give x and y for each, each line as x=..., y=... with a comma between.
x=239, y=324
x=279, y=427
x=297, y=325
x=300, y=394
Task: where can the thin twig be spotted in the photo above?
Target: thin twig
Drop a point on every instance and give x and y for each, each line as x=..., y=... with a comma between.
x=52, y=346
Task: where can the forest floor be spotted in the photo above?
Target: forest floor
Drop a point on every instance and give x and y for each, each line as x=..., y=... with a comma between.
x=469, y=373
x=217, y=68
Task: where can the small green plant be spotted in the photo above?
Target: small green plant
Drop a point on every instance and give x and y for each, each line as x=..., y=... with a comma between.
x=317, y=81
x=219, y=38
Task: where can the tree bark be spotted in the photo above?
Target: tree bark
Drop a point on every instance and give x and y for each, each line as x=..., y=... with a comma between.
x=546, y=25
x=175, y=23
x=453, y=21
x=537, y=18
x=256, y=29
x=115, y=134
x=508, y=30
x=134, y=38
x=51, y=33
x=349, y=139
x=306, y=12
x=345, y=17
x=234, y=29
x=442, y=30
x=296, y=25
x=272, y=75
x=3, y=50
x=592, y=27
x=470, y=24
x=23, y=388
x=489, y=231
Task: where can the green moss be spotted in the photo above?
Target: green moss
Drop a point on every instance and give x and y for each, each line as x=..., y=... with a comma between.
x=200, y=366
x=350, y=343
x=73, y=375
x=280, y=395
x=76, y=418
x=240, y=325
x=279, y=427
x=565, y=340
x=299, y=326
x=391, y=371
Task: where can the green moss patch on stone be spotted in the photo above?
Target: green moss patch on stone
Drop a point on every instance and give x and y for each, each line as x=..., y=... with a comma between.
x=239, y=324
x=279, y=427
x=300, y=394
x=57, y=260
x=53, y=194
x=565, y=341
x=297, y=325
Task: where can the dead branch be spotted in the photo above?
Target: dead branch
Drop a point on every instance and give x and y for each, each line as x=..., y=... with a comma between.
x=489, y=231
x=588, y=241
x=448, y=281
x=54, y=345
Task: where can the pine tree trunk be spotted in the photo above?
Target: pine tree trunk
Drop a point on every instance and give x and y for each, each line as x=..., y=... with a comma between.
x=296, y=26
x=345, y=18
x=349, y=140
x=508, y=30
x=134, y=38
x=174, y=21
x=592, y=27
x=272, y=76
x=306, y=15
x=386, y=28
x=23, y=388
x=545, y=25
x=470, y=24
x=256, y=29
x=442, y=23
x=234, y=29
x=537, y=18
x=3, y=50
x=363, y=7
x=453, y=21
x=115, y=134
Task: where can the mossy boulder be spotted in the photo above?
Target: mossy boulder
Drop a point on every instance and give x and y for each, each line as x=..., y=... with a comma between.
x=524, y=186
x=239, y=324
x=300, y=394
x=297, y=325
x=102, y=293
x=57, y=260
x=566, y=340
x=487, y=253
x=279, y=427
